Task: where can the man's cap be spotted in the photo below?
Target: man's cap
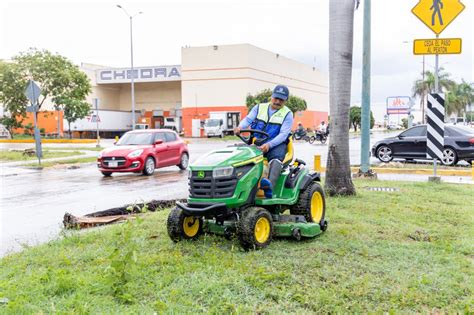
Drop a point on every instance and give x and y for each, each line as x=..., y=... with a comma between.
x=281, y=92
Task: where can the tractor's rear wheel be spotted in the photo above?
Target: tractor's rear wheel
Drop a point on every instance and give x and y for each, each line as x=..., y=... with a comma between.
x=181, y=226
x=311, y=204
x=255, y=228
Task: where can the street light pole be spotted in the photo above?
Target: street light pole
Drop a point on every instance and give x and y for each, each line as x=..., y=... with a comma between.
x=423, y=95
x=132, y=72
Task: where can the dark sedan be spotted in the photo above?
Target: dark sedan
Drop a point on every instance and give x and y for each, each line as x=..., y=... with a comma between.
x=411, y=144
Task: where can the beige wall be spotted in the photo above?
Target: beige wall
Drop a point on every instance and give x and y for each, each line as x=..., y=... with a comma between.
x=224, y=75
x=148, y=96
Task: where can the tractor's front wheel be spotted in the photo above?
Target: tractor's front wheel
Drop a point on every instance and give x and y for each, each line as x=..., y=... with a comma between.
x=181, y=226
x=311, y=204
x=255, y=228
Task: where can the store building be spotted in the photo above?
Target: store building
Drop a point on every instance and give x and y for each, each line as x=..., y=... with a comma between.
x=209, y=79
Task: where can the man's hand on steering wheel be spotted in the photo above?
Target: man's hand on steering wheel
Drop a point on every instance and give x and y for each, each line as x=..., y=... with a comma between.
x=249, y=140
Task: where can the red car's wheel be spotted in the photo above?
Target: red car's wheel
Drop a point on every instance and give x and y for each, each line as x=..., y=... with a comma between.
x=149, y=167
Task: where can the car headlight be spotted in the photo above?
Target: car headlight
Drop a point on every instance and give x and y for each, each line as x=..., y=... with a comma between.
x=223, y=172
x=99, y=156
x=135, y=153
x=190, y=173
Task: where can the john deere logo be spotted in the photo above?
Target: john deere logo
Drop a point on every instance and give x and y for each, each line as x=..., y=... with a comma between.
x=201, y=174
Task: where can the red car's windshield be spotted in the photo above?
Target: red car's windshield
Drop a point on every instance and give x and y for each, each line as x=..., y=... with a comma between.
x=136, y=138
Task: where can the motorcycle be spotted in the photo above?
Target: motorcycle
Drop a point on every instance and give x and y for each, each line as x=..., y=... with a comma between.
x=300, y=136
x=321, y=137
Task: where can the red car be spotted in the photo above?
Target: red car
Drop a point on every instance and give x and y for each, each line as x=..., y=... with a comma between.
x=143, y=151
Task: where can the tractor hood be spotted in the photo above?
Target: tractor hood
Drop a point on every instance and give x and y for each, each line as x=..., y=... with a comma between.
x=230, y=156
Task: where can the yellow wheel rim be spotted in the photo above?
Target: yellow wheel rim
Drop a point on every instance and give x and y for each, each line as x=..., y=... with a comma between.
x=316, y=207
x=190, y=226
x=262, y=230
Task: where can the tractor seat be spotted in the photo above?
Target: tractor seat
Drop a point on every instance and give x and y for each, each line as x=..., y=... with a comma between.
x=289, y=153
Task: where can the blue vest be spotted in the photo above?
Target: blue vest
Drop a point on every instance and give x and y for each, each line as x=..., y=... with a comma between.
x=272, y=124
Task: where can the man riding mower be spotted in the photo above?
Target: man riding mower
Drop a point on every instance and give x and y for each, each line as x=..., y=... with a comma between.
x=229, y=194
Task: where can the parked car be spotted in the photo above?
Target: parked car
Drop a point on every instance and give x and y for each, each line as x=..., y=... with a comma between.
x=411, y=144
x=143, y=151
x=393, y=126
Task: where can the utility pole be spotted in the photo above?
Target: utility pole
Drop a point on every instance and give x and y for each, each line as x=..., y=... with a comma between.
x=132, y=71
x=365, y=110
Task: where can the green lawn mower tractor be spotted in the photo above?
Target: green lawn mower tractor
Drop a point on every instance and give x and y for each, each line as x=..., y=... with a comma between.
x=225, y=197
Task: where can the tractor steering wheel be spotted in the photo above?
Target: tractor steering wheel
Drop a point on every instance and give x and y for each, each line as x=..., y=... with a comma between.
x=249, y=140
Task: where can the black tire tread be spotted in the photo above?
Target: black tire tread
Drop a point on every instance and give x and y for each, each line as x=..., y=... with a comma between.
x=303, y=206
x=246, y=228
x=180, y=165
x=174, y=225
x=145, y=172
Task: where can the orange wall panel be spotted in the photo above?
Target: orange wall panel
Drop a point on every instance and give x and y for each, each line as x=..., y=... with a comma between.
x=46, y=119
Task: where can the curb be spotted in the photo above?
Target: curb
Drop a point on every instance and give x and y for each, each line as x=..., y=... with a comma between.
x=49, y=141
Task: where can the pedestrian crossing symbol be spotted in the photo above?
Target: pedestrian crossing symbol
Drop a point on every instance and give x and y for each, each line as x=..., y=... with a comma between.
x=437, y=14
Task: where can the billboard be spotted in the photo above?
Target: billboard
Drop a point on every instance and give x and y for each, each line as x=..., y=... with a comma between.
x=398, y=105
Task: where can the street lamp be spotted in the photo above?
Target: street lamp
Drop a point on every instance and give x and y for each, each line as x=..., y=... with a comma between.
x=132, y=74
x=423, y=80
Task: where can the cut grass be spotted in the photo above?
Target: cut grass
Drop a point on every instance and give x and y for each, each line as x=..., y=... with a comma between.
x=18, y=156
x=407, y=251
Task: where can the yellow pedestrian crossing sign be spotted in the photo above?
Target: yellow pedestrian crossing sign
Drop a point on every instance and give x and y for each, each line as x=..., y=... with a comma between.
x=437, y=14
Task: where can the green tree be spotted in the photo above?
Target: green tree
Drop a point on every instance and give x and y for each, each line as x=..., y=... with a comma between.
x=421, y=88
x=12, y=96
x=60, y=80
x=405, y=123
x=294, y=103
x=355, y=116
x=74, y=109
x=10, y=123
x=459, y=97
x=58, y=77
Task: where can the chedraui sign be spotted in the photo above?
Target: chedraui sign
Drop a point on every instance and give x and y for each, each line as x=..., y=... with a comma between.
x=141, y=74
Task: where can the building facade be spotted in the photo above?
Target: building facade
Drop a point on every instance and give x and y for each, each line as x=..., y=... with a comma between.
x=209, y=79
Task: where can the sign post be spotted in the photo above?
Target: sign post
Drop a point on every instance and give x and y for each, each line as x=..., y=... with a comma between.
x=32, y=92
x=435, y=130
x=437, y=15
x=96, y=104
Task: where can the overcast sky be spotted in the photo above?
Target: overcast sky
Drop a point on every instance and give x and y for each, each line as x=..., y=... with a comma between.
x=98, y=32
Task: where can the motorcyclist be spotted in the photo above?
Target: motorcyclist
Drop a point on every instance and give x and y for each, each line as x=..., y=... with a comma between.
x=322, y=128
x=300, y=129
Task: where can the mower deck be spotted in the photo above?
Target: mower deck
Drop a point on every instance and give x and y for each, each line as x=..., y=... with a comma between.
x=283, y=226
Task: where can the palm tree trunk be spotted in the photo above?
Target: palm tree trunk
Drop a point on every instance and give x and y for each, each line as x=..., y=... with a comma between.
x=341, y=23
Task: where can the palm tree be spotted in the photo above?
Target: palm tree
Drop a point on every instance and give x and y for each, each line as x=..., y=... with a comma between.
x=422, y=87
x=341, y=31
x=459, y=97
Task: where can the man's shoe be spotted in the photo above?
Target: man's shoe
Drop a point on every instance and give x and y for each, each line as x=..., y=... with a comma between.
x=266, y=185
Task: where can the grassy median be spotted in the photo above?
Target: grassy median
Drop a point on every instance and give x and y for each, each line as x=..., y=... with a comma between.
x=409, y=250
x=9, y=156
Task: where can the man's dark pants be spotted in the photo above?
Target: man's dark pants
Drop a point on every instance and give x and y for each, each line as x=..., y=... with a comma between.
x=275, y=156
x=278, y=152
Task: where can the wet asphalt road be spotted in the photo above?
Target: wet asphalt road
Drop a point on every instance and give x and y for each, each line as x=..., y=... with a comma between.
x=33, y=202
